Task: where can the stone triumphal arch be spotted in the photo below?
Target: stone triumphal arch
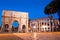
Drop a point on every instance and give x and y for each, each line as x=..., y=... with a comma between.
x=8, y=17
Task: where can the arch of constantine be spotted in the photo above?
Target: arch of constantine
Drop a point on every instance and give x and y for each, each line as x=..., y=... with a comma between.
x=8, y=17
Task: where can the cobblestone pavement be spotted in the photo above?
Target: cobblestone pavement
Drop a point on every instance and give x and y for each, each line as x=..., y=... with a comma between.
x=41, y=36
x=31, y=36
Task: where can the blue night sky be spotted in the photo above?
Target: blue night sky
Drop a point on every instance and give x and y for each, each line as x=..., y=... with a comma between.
x=35, y=8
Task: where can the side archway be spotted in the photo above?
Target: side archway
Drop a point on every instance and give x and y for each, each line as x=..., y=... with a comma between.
x=6, y=28
x=23, y=28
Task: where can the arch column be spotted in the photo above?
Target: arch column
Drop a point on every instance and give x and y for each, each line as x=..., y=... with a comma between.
x=26, y=25
x=26, y=28
x=10, y=27
x=2, y=28
x=19, y=28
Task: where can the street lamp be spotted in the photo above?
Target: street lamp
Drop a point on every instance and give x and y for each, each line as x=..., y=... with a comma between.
x=34, y=28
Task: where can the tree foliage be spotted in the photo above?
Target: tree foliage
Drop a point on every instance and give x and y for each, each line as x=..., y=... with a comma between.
x=57, y=3
x=50, y=8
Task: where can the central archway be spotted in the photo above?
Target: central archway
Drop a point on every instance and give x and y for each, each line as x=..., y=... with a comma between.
x=15, y=26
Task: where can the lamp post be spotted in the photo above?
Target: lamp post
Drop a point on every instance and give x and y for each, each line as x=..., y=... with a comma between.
x=34, y=34
x=34, y=28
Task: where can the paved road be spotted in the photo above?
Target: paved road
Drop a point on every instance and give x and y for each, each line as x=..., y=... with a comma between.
x=31, y=36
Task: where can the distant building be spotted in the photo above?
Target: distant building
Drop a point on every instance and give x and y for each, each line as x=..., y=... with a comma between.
x=43, y=24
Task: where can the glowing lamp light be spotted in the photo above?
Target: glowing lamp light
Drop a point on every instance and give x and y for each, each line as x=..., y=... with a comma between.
x=44, y=26
x=34, y=26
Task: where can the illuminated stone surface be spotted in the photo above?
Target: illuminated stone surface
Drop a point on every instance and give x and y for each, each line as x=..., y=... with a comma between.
x=8, y=17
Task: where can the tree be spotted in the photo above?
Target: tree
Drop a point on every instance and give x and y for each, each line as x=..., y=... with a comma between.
x=49, y=10
x=55, y=5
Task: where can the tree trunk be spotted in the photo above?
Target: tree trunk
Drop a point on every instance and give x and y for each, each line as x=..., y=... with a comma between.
x=59, y=20
x=51, y=18
x=59, y=16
